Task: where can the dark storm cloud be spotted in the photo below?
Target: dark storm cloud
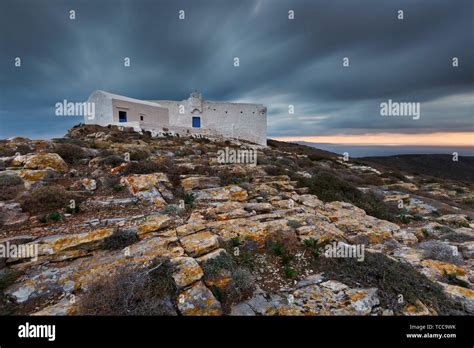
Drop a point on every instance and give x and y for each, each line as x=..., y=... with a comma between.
x=282, y=62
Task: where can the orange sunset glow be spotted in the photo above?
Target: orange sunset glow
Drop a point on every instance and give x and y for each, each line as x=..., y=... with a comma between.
x=392, y=139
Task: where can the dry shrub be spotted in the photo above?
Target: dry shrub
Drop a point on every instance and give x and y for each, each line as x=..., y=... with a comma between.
x=283, y=241
x=143, y=167
x=10, y=187
x=132, y=291
x=240, y=287
x=47, y=198
x=139, y=155
x=70, y=153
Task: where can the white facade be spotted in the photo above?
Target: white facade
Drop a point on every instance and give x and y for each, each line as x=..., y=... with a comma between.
x=233, y=120
x=192, y=115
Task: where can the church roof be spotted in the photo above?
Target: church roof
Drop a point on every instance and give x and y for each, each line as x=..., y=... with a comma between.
x=128, y=99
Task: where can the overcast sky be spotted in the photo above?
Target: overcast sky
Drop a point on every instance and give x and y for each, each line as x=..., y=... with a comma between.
x=282, y=61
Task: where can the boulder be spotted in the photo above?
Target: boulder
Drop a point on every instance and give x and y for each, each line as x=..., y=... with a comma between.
x=456, y=220
x=44, y=160
x=187, y=271
x=199, y=243
x=198, y=300
x=153, y=223
x=147, y=187
x=11, y=214
x=199, y=182
x=227, y=193
x=89, y=184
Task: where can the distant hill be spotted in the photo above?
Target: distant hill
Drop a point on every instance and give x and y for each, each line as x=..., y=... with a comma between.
x=441, y=166
x=303, y=149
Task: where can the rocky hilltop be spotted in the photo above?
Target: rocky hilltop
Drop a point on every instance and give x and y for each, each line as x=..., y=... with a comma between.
x=124, y=223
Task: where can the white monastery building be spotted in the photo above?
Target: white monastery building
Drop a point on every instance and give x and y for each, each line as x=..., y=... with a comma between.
x=189, y=116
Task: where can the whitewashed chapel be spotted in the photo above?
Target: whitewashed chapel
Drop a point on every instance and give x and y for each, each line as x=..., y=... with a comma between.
x=189, y=116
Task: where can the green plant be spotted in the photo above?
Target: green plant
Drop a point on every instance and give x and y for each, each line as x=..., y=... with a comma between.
x=404, y=219
x=235, y=242
x=310, y=243
x=289, y=272
x=452, y=278
x=294, y=223
x=171, y=209
x=223, y=261
x=277, y=249
x=55, y=216
x=286, y=259
x=188, y=198
x=117, y=188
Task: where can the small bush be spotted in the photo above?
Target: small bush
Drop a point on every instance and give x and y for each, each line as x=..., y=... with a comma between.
x=70, y=153
x=113, y=160
x=120, y=239
x=329, y=187
x=294, y=223
x=222, y=261
x=142, y=167
x=10, y=180
x=242, y=281
x=139, y=155
x=46, y=198
x=247, y=259
x=10, y=187
x=275, y=170
x=392, y=278
x=283, y=242
x=132, y=291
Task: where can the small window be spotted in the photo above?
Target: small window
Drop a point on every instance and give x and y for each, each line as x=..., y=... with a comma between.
x=196, y=122
x=141, y=117
x=122, y=116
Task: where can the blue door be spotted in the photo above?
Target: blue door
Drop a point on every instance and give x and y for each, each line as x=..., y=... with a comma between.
x=122, y=116
x=196, y=122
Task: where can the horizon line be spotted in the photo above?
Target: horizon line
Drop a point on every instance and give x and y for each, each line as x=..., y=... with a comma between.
x=436, y=139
